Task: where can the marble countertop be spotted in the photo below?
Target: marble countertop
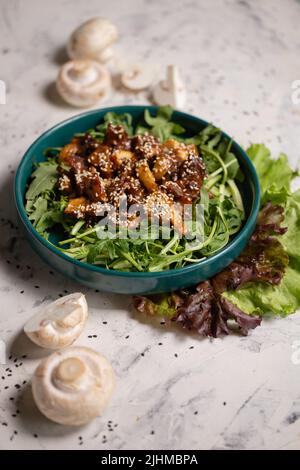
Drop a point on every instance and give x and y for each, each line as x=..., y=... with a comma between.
x=174, y=391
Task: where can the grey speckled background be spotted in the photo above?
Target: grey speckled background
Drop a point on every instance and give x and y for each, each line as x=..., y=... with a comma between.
x=239, y=59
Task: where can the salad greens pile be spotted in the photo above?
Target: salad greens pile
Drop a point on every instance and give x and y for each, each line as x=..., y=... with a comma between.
x=220, y=198
x=264, y=280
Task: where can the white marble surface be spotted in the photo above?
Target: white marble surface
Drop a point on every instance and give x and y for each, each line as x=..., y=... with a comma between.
x=239, y=59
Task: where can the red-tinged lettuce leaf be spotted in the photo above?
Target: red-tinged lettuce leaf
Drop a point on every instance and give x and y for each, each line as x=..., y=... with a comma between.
x=204, y=309
x=195, y=311
x=207, y=313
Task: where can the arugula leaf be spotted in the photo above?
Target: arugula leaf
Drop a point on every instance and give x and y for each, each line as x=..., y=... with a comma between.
x=161, y=125
x=44, y=179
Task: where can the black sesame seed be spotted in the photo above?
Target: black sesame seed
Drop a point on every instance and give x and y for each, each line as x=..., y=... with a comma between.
x=195, y=412
x=36, y=287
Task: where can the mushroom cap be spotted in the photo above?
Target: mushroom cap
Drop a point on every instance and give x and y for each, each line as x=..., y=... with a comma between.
x=73, y=386
x=59, y=323
x=138, y=77
x=90, y=40
x=83, y=83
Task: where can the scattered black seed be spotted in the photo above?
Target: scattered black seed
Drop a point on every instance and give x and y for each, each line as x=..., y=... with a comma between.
x=35, y=436
x=60, y=295
x=142, y=354
x=7, y=261
x=65, y=291
x=17, y=266
x=15, y=360
x=4, y=424
x=110, y=429
x=104, y=322
x=24, y=382
x=3, y=378
x=96, y=290
x=89, y=336
x=21, y=292
x=52, y=273
x=28, y=267
x=36, y=287
x=152, y=432
x=14, y=415
x=9, y=375
x=195, y=412
x=6, y=387
x=18, y=412
x=94, y=336
x=176, y=355
x=224, y=403
x=10, y=357
x=15, y=432
x=11, y=398
x=162, y=322
x=24, y=356
x=80, y=438
x=7, y=369
x=160, y=344
x=17, y=386
x=126, y=337
x=191, y=347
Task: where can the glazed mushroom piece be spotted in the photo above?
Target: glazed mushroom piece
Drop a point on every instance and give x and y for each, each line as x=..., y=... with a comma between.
x=83, y=83
x=58, y=324
x=73, y=386
x=93, y=40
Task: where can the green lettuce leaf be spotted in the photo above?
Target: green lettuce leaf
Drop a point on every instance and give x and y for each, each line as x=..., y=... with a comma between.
x=284, y=299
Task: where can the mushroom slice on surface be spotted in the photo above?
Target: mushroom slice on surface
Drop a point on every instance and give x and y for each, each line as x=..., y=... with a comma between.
x=138, y=77
x=59, y=323
x=93, y=40
x=83, y=83
x=170, y=91
x=73, y=386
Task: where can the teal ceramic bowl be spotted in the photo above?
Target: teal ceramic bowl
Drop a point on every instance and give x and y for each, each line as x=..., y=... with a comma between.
x=132, y=282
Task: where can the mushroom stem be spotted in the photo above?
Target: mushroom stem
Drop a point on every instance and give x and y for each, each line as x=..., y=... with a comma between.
x=69, y=370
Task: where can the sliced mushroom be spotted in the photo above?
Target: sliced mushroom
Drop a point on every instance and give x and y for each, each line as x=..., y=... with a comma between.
x=83, y=83
x=92, y=40
x=138, y=77
x=73, y=386
x=60, y=323
x=170, y=91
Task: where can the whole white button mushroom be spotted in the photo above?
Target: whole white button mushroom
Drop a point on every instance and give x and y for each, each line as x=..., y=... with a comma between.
x=171, y=90
x=59, y=323
x=93, y=40
x=83, y=83
x=73, y=386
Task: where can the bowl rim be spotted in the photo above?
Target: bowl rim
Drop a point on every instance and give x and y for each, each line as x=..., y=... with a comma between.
x=19, y=197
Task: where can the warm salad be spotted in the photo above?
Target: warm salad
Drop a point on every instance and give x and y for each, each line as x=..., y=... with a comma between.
x=154, y=164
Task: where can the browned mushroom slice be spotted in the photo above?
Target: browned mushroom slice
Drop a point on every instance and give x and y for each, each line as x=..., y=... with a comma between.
x=146, y=176
x=116, y=136
x=77, y=207
x=64, y=184
x=69, y=150
x=101, y=159
x=90, y=183
x=145, y=146
x=120, y=157
x=160, y=206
